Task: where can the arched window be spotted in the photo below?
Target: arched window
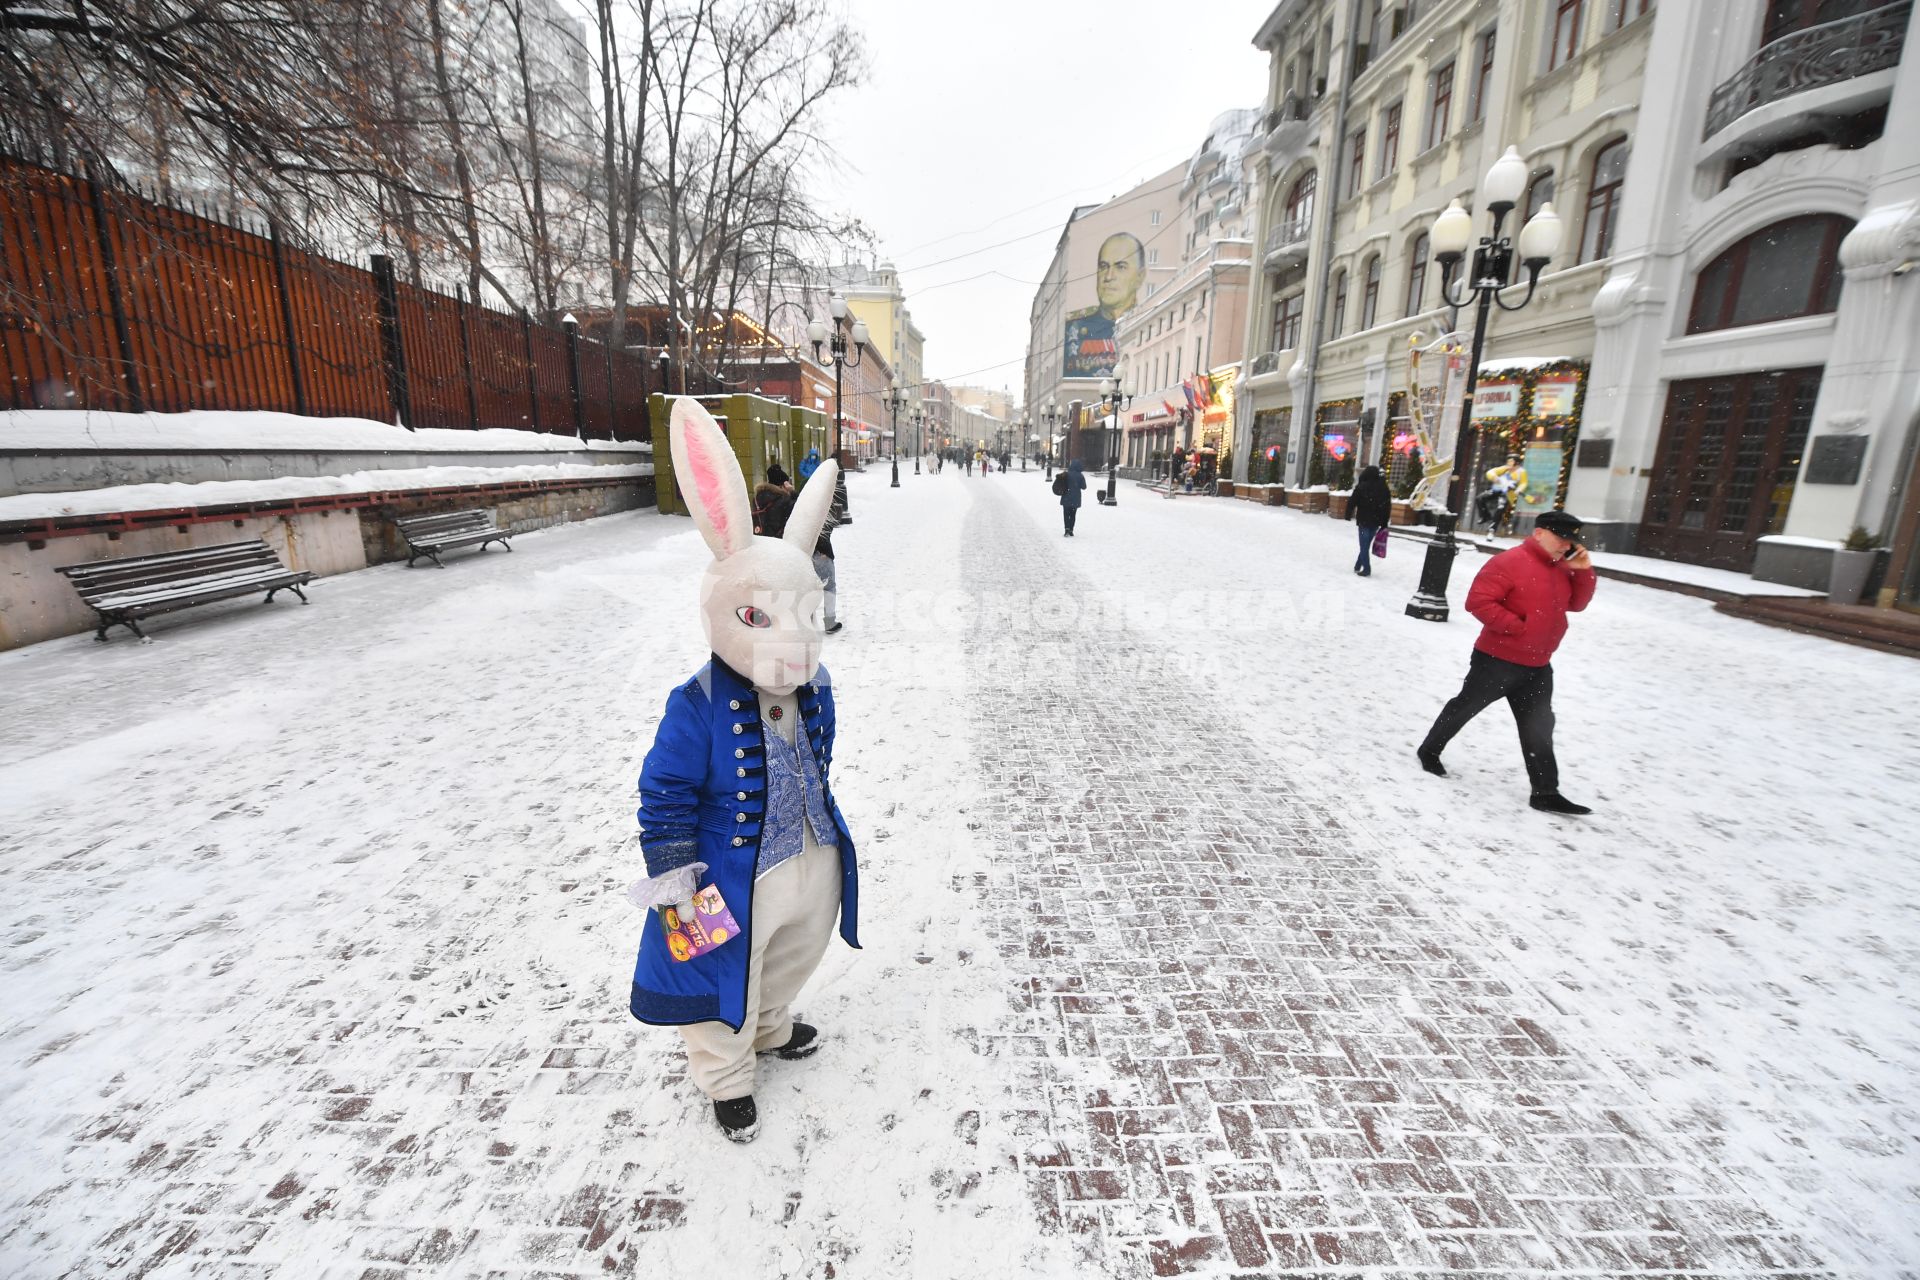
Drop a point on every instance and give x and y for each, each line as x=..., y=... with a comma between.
x=1416, y=273
x=1603, y=200
x=1300, y=203
x=1370, y=295
x=1539, y=192
x=1338, y=319
x=1788, y=269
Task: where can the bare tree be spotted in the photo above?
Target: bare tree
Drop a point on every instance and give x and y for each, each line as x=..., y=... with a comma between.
x=737, y=87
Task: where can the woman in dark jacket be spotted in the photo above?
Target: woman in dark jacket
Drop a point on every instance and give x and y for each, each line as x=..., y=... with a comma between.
x=1072, y=484
x=1371, y=508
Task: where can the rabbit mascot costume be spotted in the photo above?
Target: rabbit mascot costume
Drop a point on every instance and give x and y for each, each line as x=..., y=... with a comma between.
x=735, y=796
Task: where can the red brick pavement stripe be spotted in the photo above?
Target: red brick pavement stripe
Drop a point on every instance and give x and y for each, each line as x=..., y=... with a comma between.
x=1253, y=1050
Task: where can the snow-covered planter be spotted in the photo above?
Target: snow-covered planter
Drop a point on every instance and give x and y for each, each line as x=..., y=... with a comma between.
x=1402, y=513
x=1337, y=503
x=1276, y=495
x=1314, y=499
x=1226, y=488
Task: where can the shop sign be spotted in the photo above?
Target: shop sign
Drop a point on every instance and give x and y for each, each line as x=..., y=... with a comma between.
x=1496, y=400
x=1553, y=397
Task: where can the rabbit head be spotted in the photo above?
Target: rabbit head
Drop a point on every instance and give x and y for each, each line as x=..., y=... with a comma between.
x=760, y=599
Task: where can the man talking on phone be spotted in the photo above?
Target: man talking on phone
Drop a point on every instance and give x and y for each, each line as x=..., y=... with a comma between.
x=1522, y=598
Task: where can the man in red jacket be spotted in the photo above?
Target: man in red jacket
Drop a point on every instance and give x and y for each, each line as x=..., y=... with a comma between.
x=1522, y=598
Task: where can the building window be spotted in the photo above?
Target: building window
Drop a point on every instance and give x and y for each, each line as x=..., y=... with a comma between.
x=1539, y=192
x=1416, y=274
x=1603, y=200
x=1299, y=210
x=1356, y=162
x=1390, y=140
x=1784, y=17
x=1482, y=77
x=1439, y=106
x=1370, y=295
x=1625, y=11
x=1153, y=218
x=1338, y=320
x=1788, y=269
x=1286, y=321
x=1566, y=32
x=1153, y=257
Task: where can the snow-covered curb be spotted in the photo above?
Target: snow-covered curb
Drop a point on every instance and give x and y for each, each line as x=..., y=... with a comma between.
x=39, y=430
x=213, y=493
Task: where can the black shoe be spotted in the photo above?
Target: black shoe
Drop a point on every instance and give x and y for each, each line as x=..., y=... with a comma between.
x=1430, y=761
x=835, y=628
x=803, y=1043
x=739, y=1119
x=1554, y=802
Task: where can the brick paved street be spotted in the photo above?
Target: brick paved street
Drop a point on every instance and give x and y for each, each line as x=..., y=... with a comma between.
x=1252, y=1048
x=316, y=945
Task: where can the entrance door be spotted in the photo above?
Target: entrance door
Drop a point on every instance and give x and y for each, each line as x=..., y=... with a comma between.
x=1728, y=459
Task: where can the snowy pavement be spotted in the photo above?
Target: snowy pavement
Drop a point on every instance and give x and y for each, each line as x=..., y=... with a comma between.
x=317, y=950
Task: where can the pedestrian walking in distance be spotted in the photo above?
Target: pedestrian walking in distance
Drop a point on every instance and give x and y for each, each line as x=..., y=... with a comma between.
x=1069, y=485
x=1522, y=598
x=1370, y=508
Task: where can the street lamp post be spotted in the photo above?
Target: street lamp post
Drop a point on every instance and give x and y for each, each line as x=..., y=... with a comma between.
x=896, y=398
x=1026, y=440
x=1114, y=397
x=919, y=440
x=835, y=338
x=1485, y=279
x=1051, y=416
x=666, y=388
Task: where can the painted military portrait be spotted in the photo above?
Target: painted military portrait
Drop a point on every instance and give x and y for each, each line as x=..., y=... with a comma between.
x=1122, y=266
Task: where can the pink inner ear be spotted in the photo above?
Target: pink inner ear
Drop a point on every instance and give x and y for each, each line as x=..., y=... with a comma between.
x=711, y=484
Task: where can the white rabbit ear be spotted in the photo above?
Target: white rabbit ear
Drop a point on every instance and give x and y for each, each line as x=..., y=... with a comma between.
x=809, y=512
x=710, y=479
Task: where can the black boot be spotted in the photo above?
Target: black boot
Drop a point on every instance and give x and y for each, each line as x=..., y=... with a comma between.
x=1430, y=761
x=739, y=1118
x=804, y=1041
x=1554, y=802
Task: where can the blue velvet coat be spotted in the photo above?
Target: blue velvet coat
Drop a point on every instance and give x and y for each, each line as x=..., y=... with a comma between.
x=702, y=799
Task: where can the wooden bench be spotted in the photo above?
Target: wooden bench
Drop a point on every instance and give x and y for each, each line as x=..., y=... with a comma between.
x=126, y=590
x=431, y=534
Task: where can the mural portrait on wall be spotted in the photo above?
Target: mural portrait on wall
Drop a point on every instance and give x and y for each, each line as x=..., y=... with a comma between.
x=1091, y=348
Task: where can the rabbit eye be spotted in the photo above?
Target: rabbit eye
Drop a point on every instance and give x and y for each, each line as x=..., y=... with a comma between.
x=753, y=617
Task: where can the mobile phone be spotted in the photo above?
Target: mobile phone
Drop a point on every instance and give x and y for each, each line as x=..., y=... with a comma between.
x=1573, y=549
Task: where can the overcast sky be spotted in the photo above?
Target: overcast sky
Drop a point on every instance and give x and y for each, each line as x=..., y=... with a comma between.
x=984, y=122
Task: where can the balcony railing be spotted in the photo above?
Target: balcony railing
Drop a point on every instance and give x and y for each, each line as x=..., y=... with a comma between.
x=1291, y=232
x=1822, y=55
x=1265, y=362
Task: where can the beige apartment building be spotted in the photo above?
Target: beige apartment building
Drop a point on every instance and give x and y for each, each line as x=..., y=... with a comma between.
x=1370, y=131
x=1193, y=321
x=874, y=295
x=1108, y=259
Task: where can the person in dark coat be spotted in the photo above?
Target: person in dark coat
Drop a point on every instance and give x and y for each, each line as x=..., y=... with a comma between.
x=1370, y=508
x=1522, y=598
x=1075, y=484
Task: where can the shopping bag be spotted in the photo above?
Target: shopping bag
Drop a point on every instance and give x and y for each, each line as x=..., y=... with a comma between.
x=1380, y=545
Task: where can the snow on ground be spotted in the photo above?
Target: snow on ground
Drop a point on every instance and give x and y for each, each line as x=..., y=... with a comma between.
x=233, y=432
x=214, y=493
x=317, y=946
x=1738, y=924
x=316, y=949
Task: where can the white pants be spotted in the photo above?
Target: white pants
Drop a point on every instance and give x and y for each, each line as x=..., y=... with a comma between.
x=795, y=906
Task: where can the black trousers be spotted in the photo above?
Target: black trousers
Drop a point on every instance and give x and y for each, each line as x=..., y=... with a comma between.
x=1069, y=513
x=1528, y=691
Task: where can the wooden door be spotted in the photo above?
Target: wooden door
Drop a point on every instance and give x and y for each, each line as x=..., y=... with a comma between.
x=1726, y=465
